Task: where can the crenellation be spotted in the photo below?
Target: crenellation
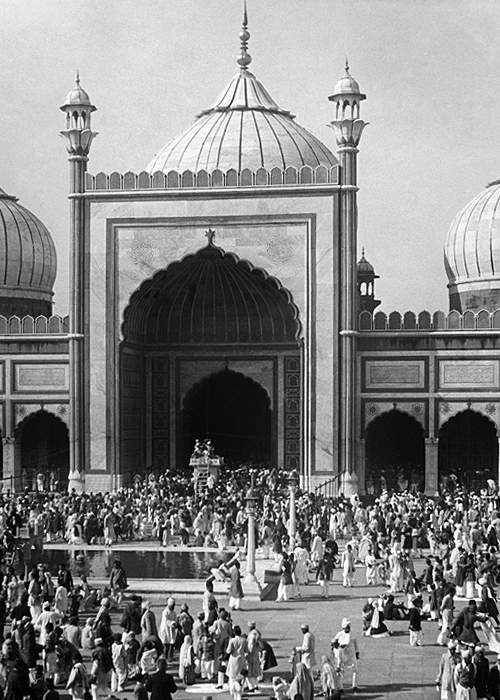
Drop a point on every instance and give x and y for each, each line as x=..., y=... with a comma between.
x=424, y=321
x=28, y=325
x=202, y=179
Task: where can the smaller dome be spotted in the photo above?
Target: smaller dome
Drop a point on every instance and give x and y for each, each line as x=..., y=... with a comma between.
x=77, y=96
x=364, y=267
x=346, y=86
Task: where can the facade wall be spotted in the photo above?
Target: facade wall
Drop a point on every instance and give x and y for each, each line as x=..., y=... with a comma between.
x=430, y=375
x=293, y=236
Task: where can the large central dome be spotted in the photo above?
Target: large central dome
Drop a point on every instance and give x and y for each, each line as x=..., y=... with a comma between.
x=244, y=128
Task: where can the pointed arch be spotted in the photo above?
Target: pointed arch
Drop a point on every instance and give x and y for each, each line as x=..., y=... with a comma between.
x=211, y=296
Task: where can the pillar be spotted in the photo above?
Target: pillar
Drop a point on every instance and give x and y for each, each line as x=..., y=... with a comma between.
x=361, y=466
x=292, y=524
x=78, y=136
x=348, y=129
x=431, y=466
x=250, y=575
x=9, y=465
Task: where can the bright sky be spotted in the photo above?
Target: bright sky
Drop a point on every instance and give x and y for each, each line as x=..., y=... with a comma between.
x=430, y=69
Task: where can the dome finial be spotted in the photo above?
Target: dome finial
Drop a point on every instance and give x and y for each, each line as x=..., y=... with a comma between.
x=363, y=252
x=244, y=59
x=347, y=65
x=77, y=77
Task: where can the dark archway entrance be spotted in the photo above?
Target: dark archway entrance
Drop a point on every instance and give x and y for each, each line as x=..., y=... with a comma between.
x=395, y=452
x=468, y=451
x=43, y=448
x=234, y=411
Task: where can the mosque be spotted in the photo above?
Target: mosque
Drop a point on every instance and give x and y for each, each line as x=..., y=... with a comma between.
x=219, y=293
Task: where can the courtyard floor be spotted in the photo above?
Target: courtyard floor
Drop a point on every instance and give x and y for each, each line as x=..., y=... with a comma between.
x=389, y=667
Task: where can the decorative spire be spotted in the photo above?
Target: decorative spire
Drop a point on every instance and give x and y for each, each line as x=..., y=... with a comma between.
x=244, y=59
x=77, y=77
x=363, y=252
x=347, y=65
x=210, y=235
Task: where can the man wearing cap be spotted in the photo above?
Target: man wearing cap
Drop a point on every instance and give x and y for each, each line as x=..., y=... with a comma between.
x=306, y=650
x=445, y=681
x=348, y=651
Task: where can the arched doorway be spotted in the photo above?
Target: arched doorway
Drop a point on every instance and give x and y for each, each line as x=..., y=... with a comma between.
x=208, y=311
x=234, y=411
x=42, y=447
x=395, y=452
x=468, y=451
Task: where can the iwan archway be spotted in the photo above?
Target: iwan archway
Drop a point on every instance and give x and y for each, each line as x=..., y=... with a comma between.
x=201, y=334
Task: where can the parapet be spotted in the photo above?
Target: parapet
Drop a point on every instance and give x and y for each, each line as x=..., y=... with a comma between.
x=425, y=321
x=215, y=179
x=41, y=325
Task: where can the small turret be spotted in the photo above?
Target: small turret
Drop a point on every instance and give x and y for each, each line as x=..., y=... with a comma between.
x=347, y=97
x=78, y=132
x=366, y=285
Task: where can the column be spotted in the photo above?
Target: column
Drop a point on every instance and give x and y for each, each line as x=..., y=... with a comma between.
x=431, y=466
x=78, y=396
x=292, y=525
x=348, y=320
x=250, y=575
x=361, y=465
x=9, y=464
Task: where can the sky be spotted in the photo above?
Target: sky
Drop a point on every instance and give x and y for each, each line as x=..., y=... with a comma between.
x=429, y=68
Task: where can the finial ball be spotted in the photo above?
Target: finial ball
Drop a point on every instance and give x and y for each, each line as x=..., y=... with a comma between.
x=244, y=60
x=244, y=35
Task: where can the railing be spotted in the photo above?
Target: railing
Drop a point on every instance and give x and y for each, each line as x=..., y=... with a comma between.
x=28, y=325
x=425, y=321
x=188, y=179
x=330, y=488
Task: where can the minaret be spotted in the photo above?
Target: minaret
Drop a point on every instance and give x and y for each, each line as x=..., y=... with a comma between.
x=79, y=136
x=366, y=285
x=348, y=128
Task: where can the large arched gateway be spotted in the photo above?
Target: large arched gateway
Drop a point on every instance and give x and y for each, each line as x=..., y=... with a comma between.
x=468, y=450
x=211, y=347
x=394, y=451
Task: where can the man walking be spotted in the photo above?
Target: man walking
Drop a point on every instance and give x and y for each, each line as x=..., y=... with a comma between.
x=306, y=650
x=348, y=651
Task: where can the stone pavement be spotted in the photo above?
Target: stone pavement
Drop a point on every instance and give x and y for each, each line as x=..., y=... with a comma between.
x=389, y=667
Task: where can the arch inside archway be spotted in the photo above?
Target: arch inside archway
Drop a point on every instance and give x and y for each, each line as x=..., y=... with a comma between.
x=42, y=445
x=395, y=452
x=468, y=451
x=234, y=411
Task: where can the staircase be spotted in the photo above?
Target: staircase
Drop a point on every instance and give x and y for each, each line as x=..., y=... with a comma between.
x=201, y=477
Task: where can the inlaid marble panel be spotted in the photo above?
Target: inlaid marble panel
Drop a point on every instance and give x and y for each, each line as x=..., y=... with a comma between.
x=35, y=378
x=394, y=374
x=469, y=374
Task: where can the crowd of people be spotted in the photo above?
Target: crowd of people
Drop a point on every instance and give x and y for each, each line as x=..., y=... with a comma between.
x=435, y=560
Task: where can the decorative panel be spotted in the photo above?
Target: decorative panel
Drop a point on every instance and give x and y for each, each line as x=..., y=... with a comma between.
x=39, y=378
x=469, y=374
x=132, y=412
x=292, y=412
x=160, y=412
x=448, y=409
x=416, y=409
x=381, y=375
